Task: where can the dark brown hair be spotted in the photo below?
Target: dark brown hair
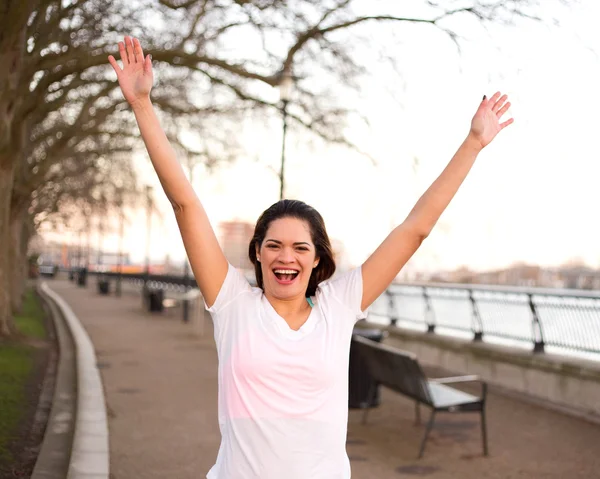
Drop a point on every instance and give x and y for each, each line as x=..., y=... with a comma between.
x=299, y=210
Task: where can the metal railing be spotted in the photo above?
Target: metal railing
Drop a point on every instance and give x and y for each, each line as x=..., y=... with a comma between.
x=567, y=319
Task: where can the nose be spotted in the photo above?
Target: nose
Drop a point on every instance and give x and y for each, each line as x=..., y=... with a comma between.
x=286, y=255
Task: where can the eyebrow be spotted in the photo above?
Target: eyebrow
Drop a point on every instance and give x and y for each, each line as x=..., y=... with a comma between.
x=295, y=244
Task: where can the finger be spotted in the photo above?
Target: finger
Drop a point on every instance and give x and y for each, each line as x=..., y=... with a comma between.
x=492, y=101
x=148, y=64
x=499, y=103
x=129, y=45
x=114, y=64
x=123, y=54
x=137, y=49
x=506, y=123
x=503, y=110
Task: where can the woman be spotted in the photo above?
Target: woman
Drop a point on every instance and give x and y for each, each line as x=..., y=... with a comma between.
x=283, y=347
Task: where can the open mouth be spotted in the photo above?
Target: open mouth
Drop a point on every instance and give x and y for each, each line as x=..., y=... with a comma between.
x=285, y=276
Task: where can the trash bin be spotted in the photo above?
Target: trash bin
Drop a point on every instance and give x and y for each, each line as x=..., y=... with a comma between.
x=360, y=381
x=82, y=277
x=155, y=300
x=103, y=285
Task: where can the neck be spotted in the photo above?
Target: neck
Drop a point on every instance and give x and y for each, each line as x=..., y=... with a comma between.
x=288, y=307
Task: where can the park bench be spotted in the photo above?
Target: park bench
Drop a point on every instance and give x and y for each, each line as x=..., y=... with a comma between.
x=174, y=297
x=166, y=299
x=400, y=371
x=158, y=298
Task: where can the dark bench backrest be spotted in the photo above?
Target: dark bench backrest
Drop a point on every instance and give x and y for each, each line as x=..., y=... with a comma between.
x=395, y=369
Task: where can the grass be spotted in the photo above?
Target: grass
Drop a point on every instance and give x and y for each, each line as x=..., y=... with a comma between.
x=17, y=360
x=30, y=322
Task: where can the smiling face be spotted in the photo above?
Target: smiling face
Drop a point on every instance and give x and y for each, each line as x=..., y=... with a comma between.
x=287, y=257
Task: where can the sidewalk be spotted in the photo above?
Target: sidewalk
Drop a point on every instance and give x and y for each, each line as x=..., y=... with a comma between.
x=160, y=380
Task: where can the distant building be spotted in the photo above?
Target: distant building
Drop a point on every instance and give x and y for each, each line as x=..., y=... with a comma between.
x=67, y=255
x=522, y=274
x=235, y=238
x=342, y=260
x=579, y=277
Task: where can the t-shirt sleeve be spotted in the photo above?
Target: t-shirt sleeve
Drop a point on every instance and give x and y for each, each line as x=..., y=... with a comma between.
x=347, y=289
x=235, y=284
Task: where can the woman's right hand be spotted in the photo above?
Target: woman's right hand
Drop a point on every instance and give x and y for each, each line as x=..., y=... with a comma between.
x=136, y=77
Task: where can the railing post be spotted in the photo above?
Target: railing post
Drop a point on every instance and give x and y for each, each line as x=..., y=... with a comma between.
x=186, y=303
x=391, y=308
x=477, y=323
x=118, y=284
x=536, y=325
x=429, y=314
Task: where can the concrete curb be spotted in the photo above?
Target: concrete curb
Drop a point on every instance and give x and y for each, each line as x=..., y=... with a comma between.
x=90, y=452
x=54, y=454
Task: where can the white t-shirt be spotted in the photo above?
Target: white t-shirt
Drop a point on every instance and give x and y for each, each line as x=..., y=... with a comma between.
x=283, y=394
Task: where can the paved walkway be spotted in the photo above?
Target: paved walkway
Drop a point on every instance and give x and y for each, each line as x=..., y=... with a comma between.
x=160, y=380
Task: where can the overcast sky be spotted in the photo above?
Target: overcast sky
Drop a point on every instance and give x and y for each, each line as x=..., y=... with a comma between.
x=532, y=196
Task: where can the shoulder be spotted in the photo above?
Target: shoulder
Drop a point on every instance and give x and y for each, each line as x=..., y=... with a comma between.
x=340, y=281
x=344, y=289
x=235, y=289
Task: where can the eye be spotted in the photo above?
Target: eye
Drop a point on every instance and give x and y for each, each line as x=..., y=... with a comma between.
x=272, y=246
x=302, y=248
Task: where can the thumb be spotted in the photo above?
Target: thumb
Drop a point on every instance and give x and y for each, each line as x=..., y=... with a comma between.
x=148, y=64
x=114, y=64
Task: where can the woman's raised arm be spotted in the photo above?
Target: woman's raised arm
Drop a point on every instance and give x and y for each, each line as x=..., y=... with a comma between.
x=206, y=257
x=385, y=263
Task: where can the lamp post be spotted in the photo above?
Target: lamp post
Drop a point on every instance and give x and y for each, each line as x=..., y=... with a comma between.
x=120, y=261
x=285, y=91
x=100, y=241
x=148, y=225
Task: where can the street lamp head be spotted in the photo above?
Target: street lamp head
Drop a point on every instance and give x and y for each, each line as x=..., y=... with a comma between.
x=285, y=86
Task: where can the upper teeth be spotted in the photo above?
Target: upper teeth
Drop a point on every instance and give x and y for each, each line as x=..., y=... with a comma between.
x=285, y=271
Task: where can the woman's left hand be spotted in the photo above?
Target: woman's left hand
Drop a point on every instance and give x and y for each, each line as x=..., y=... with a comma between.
x=486, y=122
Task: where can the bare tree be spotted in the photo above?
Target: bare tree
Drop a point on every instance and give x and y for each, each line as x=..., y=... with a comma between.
x=13, y=36
x=217, y=59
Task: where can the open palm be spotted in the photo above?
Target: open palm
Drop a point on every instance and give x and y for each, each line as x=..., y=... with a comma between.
x=136, y=77
x=486, y=122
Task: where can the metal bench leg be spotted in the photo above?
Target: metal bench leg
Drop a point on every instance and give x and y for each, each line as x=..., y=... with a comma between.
x=417, y=413
x=427, y=431
x=484, y=431
x=365, y=414
x=371, y=398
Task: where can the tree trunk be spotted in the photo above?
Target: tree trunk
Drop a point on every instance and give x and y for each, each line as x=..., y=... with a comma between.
x=13, y=27
x=18, y=259
x=6, y=180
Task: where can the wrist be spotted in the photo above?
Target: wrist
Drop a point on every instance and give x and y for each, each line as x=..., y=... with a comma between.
x=141, y=104
x=473, y=143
